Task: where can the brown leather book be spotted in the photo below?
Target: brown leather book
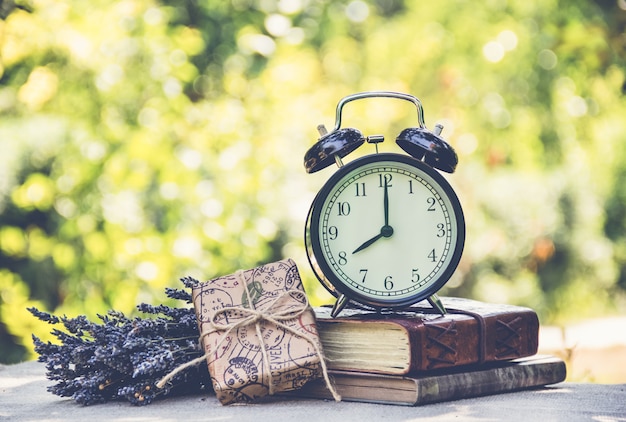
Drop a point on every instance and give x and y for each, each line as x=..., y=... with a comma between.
x=418, y=339
x=442, y=385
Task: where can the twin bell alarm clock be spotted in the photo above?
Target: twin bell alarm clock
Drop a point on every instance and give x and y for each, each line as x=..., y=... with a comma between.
x=386, y=230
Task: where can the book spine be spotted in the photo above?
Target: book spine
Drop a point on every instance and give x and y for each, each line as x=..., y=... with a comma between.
x=513, y=336
x=523, y=374
x=446, y=343
x=495, y=380
x=449, y=342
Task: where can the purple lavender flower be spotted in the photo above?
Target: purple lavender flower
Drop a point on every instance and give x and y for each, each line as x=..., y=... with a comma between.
x=122, y=358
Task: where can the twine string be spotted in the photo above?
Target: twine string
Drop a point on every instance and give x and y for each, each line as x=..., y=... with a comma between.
x=255, y=316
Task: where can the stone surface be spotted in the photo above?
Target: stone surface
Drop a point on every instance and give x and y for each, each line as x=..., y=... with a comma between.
x=23, y=397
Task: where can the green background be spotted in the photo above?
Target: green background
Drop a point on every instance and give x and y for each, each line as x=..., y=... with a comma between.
x=143, y=141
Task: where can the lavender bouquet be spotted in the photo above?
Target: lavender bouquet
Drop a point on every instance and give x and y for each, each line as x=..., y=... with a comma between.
x=123, y=358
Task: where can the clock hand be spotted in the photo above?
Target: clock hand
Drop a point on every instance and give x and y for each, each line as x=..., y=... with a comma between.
x=386, y=205
x=368, y=242
x=386, y=230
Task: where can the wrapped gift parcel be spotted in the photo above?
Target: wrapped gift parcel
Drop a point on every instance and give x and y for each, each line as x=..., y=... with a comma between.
x=258, y=331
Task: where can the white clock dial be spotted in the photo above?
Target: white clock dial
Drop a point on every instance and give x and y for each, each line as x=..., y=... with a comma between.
x=386, y=230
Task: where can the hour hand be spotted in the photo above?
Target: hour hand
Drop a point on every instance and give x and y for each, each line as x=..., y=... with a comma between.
x=385, y=231
x=368, y=242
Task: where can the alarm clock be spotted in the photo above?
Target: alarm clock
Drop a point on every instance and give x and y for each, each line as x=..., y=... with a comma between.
x=386, y=230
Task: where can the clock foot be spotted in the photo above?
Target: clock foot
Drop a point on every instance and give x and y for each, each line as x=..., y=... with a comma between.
x=435, y=302
x=339, y=305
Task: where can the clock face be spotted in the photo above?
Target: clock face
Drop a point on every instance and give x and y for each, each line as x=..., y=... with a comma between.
x=386, y=230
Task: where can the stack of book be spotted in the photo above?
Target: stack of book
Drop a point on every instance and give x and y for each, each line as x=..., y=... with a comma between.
x=417, y=356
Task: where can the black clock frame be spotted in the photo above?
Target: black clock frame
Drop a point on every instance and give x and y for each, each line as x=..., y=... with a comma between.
x=323, y=270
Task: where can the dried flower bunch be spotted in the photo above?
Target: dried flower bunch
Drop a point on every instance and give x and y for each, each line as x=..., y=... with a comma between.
x=123, y=358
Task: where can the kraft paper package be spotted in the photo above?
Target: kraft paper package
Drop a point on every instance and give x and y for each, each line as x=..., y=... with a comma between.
x=258, y=331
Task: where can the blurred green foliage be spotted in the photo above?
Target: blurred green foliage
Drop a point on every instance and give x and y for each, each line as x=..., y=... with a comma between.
x=145, y=140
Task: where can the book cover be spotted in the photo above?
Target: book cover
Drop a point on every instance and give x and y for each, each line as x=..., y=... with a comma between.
x=442, y=385
x=416, y=339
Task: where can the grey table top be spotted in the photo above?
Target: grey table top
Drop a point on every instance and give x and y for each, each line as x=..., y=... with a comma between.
x=23, y=397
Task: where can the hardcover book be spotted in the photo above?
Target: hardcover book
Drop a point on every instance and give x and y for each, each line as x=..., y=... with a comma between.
x=442, y=385
x=417, y=339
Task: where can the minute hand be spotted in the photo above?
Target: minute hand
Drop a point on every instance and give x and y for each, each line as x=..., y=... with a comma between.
x=386, y=230
x=386, y=204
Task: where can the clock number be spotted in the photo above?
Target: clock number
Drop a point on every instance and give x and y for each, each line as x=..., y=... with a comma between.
x=333, y=232
x=384, y=179
x=441, y=231
x=360, y=189
x=433, y=256
x=389, y=283
x=343, y=208
x=410, y=187
x=343, y=258
x=431, y=203
x=364, y=272
x=415, y=276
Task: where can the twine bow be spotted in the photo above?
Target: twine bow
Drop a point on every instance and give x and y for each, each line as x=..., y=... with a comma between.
x=254, y=316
